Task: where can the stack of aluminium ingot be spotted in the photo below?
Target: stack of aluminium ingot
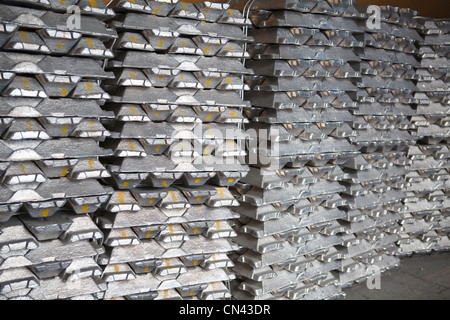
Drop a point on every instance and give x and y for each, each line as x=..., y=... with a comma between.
x=427, y=225
x=302, y=92
x=176, y=141
x=50, y=113
x=376, y=190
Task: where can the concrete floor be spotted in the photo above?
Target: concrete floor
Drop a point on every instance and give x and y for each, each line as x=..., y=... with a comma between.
x=420, y=277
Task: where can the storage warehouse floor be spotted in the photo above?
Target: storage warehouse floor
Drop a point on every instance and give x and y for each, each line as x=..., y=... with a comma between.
x=420, y=277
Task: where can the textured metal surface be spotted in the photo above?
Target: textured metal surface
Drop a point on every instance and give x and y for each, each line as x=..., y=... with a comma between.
x=50, y=148
x=170, y=150
x=175, y=97
x=303, y=93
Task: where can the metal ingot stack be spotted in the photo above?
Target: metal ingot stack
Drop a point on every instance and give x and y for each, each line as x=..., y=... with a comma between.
x=50, y=111
x=176, y=139
x=427, y=224
x=376, y=190
x=293, y=215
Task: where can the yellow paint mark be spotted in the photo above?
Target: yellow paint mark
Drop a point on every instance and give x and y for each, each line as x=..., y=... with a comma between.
x=64, y=172
x=166, y=260
x=211, y=133
x=116, y=269
x=132, y=38
x=125, y=184
x=157, y=113
x=22, y=168
x=183, y=44
x=133, y=75
x=191, y=293
x=131, y=144
x=26, y=84
x=132, y=1
x=92, y=124
x=89, y=42
x=233, y=113
x=166, y=294
x=29, y=125
x=220, y=192
x=120, y=195
x=45, y=213
x=60, y=45
x=208, y=82
x=61, y=1
x=148, y=234
x=161, y=42
x=91, y=163
x=171, y=231
x=93, y=3
x=195, y=232
x=164, y=183
x=174, y=198
x=214, y=255
x=85, y=208
x=207, y=49
x=206, y=11
x=157, y=9
x=197, y=180
x=133, y=111
x=146, y=269
x=151, y=200
x=64, y=91
x=160, y=78
x=218, y=229
x=184, y=5
x=195, y=262
x=231, y=12
x=230, y=180
x=206, y=151
x=158, y=148
x=199, y=198
x=124, y=235
x=89, y=86
x=24, y=36
x=182, y=79
x=208, y=117
x=228, y=48
x=228, y=80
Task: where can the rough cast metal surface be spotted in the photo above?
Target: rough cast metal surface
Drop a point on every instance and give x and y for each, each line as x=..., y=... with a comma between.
x=176, y=127
x=51, y=130
x=169, y=150
x=294, y=210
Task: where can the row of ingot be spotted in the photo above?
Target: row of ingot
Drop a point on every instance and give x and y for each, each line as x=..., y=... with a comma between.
x=163, y=234
x=51, y=125
x=377, y=189
x=426, y=224
x=174, y=96
x=291, y=203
